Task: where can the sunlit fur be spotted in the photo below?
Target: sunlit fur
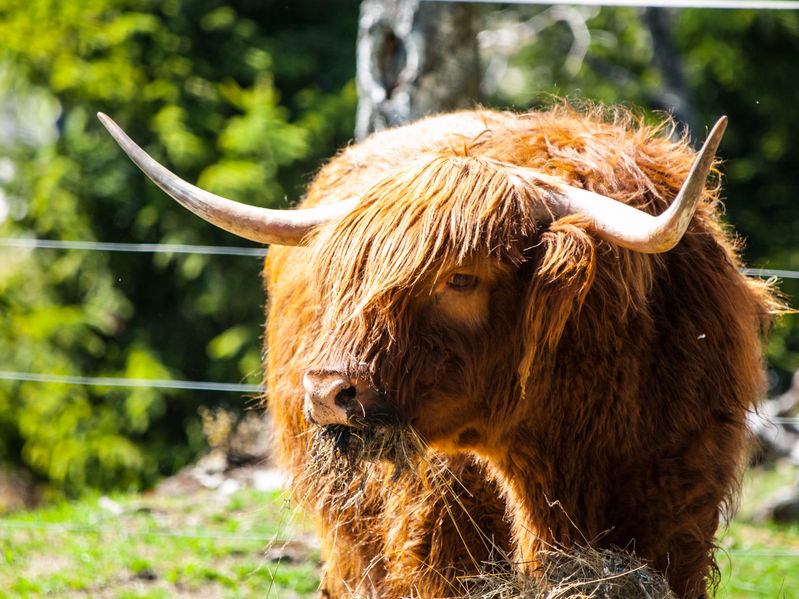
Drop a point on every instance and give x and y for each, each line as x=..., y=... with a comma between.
x=598, y=396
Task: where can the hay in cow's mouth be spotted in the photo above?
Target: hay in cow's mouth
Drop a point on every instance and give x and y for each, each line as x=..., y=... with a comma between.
x=349, y=447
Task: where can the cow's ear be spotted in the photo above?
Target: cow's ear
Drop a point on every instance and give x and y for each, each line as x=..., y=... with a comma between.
x=564, y=271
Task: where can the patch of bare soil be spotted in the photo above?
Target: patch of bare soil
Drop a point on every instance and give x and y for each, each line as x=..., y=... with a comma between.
x=17, y=490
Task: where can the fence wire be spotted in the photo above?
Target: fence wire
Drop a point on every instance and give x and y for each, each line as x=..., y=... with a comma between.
x=82, y=529
x=261, y=252
x=53, y=244
x=32, y=377
x=172, y=248
x=79, y=528
x=707, y=4
x=145, y=248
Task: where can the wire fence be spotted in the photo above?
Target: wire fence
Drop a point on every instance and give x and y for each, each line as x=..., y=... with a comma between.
x=139, y=248
x=95, y=530
x=242, y=388
x=80, y=528
x=169, y=248
x=215, y=250
x=101, y=381
x=700, y=4
x=35, y=244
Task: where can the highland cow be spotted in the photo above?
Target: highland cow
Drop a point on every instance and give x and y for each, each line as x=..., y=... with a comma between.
x=488, y=344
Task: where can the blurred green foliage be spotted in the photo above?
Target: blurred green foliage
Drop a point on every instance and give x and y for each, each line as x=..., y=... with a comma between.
x=247, y=98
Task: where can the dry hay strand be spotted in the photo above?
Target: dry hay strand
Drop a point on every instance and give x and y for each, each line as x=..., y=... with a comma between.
x=578, y=572
x=349, y=448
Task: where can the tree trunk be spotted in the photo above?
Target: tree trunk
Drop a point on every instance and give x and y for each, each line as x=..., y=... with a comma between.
x=414, y=59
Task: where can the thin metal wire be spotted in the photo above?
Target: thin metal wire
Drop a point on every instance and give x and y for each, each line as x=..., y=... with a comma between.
x=712, y=4
x=236, y=251
x=148, y=248
x=192, y=249
x=8, y=375
x=782, y=420
x=77, y=528
x=769, y=272
x=261, y=252
x=194, y=386
x=762, y=553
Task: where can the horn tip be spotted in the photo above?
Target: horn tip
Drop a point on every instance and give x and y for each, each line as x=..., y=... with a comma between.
x=720, y=126
x=713, y=139
x=106, y=120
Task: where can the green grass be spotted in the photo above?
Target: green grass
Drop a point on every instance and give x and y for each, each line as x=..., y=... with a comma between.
x=203, y=545
x=760, y=559
x=251, y=544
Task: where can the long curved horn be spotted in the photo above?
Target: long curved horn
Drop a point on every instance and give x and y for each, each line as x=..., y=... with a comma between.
x=280, y=227
x=632, y=228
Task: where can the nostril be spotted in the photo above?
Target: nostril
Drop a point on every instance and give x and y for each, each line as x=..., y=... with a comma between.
x=332, y=397
x=346, y=397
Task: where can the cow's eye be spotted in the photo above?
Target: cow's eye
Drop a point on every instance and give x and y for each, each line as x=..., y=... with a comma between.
x=461, y=281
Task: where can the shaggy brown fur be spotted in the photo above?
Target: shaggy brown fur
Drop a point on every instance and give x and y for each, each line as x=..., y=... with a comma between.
x=584, y=394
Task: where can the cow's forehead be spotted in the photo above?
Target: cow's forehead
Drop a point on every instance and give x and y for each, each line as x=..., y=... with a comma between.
x=416, y=221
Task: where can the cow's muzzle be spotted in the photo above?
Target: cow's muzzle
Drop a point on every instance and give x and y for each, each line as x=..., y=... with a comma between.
x=332, y=397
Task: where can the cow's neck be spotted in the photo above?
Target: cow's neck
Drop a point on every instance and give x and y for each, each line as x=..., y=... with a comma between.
x=549, y=460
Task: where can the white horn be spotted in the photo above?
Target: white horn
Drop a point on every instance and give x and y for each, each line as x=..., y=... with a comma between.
x=281, y=227
x=629, y=227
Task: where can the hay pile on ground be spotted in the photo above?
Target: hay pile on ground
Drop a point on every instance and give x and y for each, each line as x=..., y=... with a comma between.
x=576, y=573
